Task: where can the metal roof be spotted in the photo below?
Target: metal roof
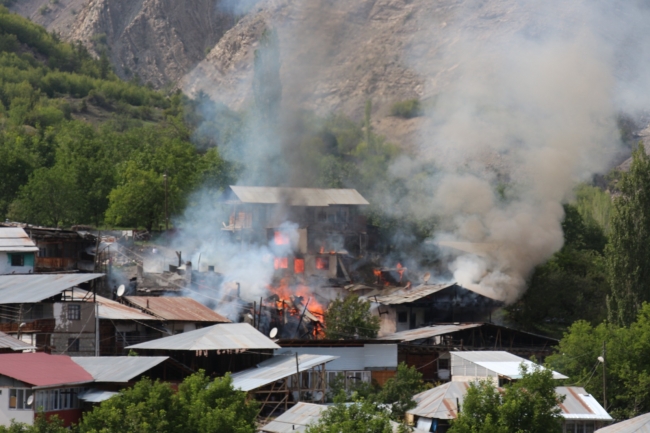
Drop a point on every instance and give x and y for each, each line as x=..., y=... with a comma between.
x=117, y=368
x=440, y=402
x=428, y=332
x=96, y=395
x=302, y=414
x=223, y=336
x=639, y=424
x=403, y=295
x=41, y=369
x=18, y=289
x=276, y=368
x=298, y=196
x=295, y=419
x=176, y=308
x=14, y=239
x=111, y=310
x=9, y=342
x=580, y=405
x=502, y=363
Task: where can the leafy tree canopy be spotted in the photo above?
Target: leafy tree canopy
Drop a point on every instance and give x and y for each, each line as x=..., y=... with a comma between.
x=529, y=405
x=628, y=371
x=350, y=318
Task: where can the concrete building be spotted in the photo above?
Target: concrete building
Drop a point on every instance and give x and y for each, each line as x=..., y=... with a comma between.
x=17, y=251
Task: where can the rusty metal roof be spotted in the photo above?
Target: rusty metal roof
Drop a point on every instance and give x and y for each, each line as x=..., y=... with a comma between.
x=276, y=368
x=119, y=369
x=15, y=239
x=176, y=308
x=109, y=309
x=18, y=289
x=295, y=419
x=440, y=402
x=404, y=295
x=298, y=196
x=428, y=332
x=580, y=405
x=224, y=336
x=9, y=342
x=639, y=424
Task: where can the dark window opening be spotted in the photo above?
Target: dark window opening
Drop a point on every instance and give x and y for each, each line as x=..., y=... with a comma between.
x=443, y=364
x=402, y=317
x=210, y=268
x=73, y=345
x=17, y=260
x=74, y=312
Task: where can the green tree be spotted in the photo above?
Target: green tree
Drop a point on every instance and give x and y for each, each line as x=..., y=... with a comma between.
x=267, y=86
x=398, y=391
x=200, y=405
x=362, y=416
x=529, y=405
x=350, y=318
x=571, y=285
x=42, y=424
x=628, y=371
x=628, y=253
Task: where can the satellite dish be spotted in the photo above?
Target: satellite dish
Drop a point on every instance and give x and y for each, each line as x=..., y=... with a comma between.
x=426, y=277
x=120, y=290
x=273, y=332
x=601, y=359
x=30, y=400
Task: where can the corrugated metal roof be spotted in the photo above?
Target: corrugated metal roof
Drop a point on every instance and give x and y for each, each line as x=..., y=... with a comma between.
x=428, y=332
x=639, y=424
x=295, y=419
x=9, y=342
x=440, y=402
x=276, y=368
x=224, y=336
x=42, y=369
x=14, y=239
x=109, y=309
x=502, y=363
x=176, y=308
x=353, y=358
x=117, y=368
x=18, y=289
x=298, y=196
x=580, y=405
x=301, y=415
x=403, y=295
x=96, y=395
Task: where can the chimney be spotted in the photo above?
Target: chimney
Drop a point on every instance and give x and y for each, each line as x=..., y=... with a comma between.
x=188, y=272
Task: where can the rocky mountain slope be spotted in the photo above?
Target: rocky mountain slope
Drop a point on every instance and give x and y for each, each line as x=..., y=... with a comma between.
x=159, y=40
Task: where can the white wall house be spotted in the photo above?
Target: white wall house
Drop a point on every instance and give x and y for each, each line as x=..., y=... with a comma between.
x=17, y=251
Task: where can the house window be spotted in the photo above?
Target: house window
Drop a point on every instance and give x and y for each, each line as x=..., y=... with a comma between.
x=323, y=263
x=73, y=345
x=443, y=364
x=74, y=312
x=19, y=399
x=58, y=399
x=17, y=260
x=403, y=317
x=299, y=266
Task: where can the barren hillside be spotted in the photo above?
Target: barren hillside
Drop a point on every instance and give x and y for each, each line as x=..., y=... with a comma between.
x=159, y=40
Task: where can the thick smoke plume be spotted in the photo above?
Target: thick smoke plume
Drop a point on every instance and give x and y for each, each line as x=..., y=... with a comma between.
x=528, y=112
x=521, y=101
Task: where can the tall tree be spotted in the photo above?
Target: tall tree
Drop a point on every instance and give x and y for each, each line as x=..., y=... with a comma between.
x=350, y=318
x=267, y=86
x=628, y=253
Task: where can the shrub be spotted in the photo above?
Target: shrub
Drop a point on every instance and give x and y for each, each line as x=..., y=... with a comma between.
x=407, y=109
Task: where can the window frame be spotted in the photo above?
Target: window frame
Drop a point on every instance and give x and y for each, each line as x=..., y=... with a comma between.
x=19, y=256
x=20, y=396
x=73, y=312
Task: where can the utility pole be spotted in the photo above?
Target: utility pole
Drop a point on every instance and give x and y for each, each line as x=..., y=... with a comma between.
x=604, y=375
x=166, y=214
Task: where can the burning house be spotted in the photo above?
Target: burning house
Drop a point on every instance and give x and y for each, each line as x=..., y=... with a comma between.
x=330, y=226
